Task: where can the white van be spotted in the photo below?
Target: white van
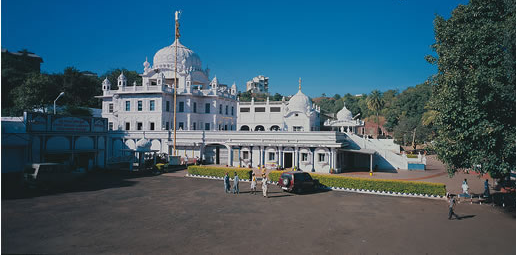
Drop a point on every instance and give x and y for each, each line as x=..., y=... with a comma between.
x=49, y=174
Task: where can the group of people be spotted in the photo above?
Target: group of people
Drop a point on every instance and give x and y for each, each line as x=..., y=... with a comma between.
x=254, y=182
x=465, y=193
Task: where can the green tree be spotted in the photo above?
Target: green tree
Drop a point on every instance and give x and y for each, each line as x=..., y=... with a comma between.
x=132, y=76
x=15, y=69
x=80, y=90
x=36, y=92
x=375, y=104
x=475, y=91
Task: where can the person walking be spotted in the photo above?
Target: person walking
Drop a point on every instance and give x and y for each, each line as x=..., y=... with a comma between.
x=486, y=189
x=253, y=184
x=227, y=185
x=235, y=184
x=264, y=186
x=451, y=205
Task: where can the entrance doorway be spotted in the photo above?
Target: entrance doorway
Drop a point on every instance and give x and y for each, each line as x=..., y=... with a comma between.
x=288, y=159
x=217, y=155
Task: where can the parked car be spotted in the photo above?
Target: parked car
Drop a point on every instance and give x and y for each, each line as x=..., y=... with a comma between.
x=50, y=174
x=297, y=181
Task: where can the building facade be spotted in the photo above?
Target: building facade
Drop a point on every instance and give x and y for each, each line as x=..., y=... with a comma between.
x=296, y=115
x=201, y=104
x=258, y=84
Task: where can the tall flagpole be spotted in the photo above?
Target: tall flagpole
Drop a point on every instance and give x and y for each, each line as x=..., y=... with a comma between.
x=176, y=41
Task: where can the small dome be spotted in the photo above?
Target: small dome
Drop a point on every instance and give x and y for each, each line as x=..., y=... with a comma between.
x=143, y=145
x=122, y=76
x=344, y=114
x=106, y=82
x=146, y=64
x=299, y=102
x=166, y=57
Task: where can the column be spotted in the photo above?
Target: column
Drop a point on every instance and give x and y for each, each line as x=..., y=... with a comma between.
x=251, y=155
x=313, y=159
x=260, y=156
x=263, y=156
x=371, y=163
x=334, y=159
x=280, y=155
x=239, y=156
x=230, y=156
x=295, y=157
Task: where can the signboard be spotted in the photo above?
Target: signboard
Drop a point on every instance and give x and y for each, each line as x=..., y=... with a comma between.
x=42, y=122
x=71, y=124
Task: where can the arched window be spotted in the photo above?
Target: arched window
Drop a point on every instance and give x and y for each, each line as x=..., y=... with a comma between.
x=259, y=128
x=275, y=128
x=244, y=128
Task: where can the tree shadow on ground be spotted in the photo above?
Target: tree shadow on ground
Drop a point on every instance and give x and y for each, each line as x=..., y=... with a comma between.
x=93, y=181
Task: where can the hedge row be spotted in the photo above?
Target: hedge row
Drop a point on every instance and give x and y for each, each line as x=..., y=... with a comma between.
x=243, y=173
x=438, y=189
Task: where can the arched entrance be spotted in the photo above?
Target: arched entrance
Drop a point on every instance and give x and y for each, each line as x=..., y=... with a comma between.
x=259, y=128
x=216, y=154
x=244, y=128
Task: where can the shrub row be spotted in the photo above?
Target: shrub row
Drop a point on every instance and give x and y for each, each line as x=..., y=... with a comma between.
x=438, y=189
x=243, y=173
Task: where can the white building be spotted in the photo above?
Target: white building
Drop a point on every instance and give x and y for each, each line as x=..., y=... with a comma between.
x=201, y=104
x=298, y=114
x=209, y=115
x=259, y=84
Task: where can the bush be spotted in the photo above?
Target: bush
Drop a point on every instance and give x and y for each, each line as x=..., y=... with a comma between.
x=438, y=189
x=243, y=173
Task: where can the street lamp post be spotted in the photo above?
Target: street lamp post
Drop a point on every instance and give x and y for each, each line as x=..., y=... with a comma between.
x=60, y=95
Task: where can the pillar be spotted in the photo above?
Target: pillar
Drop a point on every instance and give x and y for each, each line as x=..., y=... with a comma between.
x=296, y=157
x=313, y=158
x=334, y=159
x=263, y=156
x=371, y=163
x=260, y=156
x=230, y=155
x=280, y=155
x=251, y=155
x=239, y=156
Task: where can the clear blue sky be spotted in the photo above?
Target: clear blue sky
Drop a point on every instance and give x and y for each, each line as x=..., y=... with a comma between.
x=334, y=46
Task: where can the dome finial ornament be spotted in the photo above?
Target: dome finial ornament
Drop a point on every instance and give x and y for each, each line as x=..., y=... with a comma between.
x=300, y=83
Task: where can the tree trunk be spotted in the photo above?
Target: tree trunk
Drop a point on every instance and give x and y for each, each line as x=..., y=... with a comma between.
x=377, y=126
x=414, y=139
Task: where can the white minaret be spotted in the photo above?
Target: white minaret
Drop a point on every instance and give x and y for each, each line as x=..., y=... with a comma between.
x=161, y=79
x=122, y=80
x=214, y=84
x=233, y=89
x=106, y=85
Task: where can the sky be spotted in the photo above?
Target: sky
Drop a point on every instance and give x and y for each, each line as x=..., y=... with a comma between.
x=336, y=47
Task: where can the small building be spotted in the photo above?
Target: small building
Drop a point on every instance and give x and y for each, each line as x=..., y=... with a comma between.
x=258, y=84
x=296, y=115
x=43, y=138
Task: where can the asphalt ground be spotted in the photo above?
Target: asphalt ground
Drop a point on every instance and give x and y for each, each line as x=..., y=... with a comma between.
x=112, y=213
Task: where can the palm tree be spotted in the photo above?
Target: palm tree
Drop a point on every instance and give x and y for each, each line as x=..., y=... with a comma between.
x=375, y=103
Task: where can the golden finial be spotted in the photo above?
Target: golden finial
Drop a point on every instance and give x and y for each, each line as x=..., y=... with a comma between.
x=299, y=83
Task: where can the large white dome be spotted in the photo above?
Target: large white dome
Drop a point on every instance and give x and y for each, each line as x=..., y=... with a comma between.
x=344, y=114
x=299, y=102
x=165, y=58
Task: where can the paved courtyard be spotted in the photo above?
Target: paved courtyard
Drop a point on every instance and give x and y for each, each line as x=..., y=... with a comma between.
x=111, y=213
